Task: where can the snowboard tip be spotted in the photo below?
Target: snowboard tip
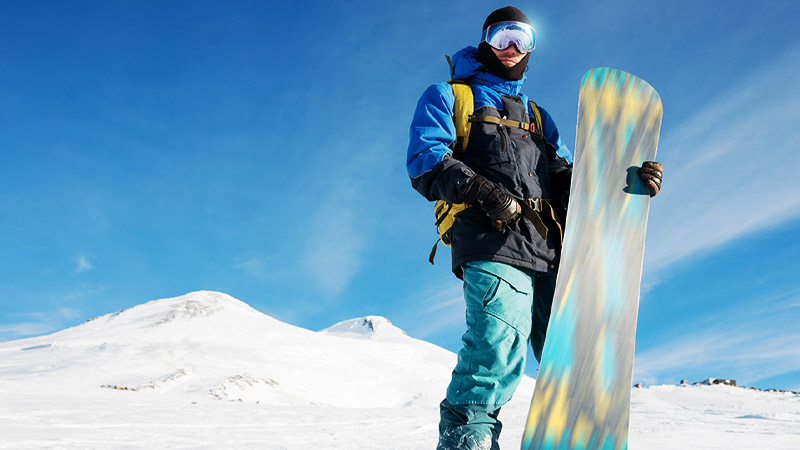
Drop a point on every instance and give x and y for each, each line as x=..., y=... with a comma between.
x=605, y=76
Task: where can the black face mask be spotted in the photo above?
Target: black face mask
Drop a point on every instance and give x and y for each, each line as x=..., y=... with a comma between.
x=489, y=60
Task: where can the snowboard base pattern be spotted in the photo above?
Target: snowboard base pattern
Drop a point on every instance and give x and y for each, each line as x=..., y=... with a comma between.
x=582, y=395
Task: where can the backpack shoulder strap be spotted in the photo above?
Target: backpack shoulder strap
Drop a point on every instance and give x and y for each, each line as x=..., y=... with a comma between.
x=537, y=115
x=463, y=107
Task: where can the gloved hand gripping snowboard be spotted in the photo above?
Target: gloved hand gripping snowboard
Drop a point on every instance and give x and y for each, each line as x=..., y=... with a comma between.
x=651, y=173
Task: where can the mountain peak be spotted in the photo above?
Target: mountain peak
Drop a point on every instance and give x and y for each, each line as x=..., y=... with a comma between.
x=368, y=327
x=192, y=306
x=184, y=308
x=202, y=313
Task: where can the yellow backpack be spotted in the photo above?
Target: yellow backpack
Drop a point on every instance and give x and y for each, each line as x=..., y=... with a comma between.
x=463, y=118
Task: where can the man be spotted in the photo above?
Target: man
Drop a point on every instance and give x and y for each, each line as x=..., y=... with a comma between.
x=508, y=267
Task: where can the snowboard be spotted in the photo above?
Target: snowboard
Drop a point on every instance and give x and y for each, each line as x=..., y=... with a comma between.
x=582, y=394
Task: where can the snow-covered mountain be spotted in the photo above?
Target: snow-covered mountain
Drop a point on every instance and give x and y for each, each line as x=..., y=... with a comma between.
x=205, y=370
x=210, y=344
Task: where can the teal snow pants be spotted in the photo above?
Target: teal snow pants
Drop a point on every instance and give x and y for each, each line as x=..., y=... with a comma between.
x=506, y=308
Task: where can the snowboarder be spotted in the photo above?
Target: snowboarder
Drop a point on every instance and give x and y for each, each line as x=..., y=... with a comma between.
x=506, y=174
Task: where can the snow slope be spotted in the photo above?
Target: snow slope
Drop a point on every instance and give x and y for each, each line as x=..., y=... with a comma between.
x=205, y=370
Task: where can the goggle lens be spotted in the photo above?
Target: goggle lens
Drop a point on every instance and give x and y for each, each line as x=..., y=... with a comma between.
x=501, y=35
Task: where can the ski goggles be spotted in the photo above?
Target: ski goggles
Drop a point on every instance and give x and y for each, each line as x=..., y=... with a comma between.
x=501, y=35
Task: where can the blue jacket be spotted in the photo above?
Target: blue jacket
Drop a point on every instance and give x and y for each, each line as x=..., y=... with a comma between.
x=432, y=129
x=524, y=165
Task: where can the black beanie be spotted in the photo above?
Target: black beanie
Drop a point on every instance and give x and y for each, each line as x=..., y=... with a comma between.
x=507, y=14
x=487, y=57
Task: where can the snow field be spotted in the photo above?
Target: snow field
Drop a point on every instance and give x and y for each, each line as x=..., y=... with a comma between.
x=207, y=371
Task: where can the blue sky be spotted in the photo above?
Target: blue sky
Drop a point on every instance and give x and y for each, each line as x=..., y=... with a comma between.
x=150, y=149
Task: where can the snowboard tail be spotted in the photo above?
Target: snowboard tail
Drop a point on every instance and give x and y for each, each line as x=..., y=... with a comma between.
x=582, y=395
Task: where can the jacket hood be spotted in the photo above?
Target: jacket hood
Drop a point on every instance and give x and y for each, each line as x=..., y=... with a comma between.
x=466, y=67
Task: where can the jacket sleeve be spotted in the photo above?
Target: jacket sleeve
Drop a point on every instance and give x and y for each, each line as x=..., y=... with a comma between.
x=433, y=171
x=552, y=135
x=559, y=158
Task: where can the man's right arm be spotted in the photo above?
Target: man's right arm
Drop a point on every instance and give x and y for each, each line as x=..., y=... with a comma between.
x=433, y=171
x=437, y=175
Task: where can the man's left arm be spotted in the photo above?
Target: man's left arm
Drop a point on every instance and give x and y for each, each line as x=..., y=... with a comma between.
x=560, y=161
x=559, y=158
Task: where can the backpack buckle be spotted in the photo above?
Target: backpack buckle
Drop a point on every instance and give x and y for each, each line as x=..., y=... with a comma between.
x=532, y=127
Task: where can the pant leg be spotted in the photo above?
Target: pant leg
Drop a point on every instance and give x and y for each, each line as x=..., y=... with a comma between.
x=468, y=427
x=492, y=361
x=543, y=290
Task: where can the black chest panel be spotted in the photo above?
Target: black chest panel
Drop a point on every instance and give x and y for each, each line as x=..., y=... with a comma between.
x=516, y=160
x=510, y=157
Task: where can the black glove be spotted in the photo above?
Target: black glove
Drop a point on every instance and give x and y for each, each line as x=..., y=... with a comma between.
x=498, y=205
x=651, y=173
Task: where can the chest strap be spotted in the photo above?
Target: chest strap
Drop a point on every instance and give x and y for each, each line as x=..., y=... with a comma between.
x=509, y=123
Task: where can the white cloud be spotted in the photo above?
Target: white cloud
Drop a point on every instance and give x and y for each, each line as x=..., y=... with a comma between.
x=79, y=294
x=257, y=266
x=70, y=313
x=38, y=323
x=749, y=343
x=441, y=308
x=334, y=245
x=730, y=168
x=83, y=264
x=24, y=329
